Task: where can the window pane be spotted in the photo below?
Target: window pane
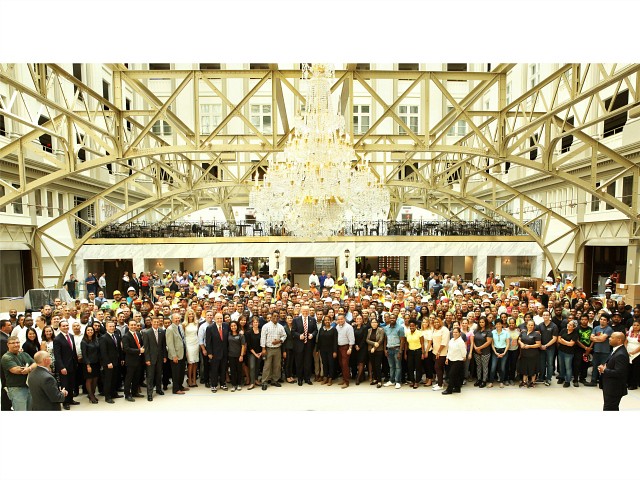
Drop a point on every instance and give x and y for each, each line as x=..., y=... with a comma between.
x=167, y=128
x=255, y=119
x=414, y=109
x=255, y=108
x=403, y=109
x=365, y=108
x=365, y=124
x=204, y=108
x=355, y=121
x=355, y=108
x=266, y=123
x=266, y=109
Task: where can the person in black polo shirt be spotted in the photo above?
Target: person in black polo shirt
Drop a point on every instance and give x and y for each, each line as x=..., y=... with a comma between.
x=548, y=338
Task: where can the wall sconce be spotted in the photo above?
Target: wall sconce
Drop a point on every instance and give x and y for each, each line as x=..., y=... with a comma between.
x=347, y=253
x=277, y=254
x=507, y=261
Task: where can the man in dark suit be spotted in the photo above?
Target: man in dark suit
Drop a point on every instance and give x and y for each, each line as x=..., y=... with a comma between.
x=110, y=351
x=304, y=331
x=5, y=333
x=155, y=355
x=216, y=337
x=614, y=373
x=66, y=357
x=45, y=394
x=133, y=348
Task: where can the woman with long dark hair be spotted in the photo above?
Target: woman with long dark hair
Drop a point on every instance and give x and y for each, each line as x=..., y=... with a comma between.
x=91, y=355
x=327, y=347
x=254, y=351
x=236, y=349
x=287, y=350
x=359, y=356
x=375, y=340
x=482, y=339
x=32, y=344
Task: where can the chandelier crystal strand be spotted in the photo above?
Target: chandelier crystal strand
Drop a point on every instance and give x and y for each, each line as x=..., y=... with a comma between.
x=315, y=187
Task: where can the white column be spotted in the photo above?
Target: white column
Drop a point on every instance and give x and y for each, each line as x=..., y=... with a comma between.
x=208, y=264
x=414, y=266
x=349, y=271
x=138, y=265
x=537, y=266
x=236, y=267
x=497, y=266
x=480, y=268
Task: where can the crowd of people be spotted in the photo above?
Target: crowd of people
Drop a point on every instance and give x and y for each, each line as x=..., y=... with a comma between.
x=222, y=332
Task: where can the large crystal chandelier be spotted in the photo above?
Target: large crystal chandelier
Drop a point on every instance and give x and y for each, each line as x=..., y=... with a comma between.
x=316, y=186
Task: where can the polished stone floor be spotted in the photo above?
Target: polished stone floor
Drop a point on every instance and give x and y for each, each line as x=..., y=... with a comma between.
x=316, y=397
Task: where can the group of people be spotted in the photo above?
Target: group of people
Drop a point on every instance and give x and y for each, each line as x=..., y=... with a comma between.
x=227, y=333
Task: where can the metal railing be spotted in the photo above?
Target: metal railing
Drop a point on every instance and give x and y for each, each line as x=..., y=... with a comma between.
x=367, y=229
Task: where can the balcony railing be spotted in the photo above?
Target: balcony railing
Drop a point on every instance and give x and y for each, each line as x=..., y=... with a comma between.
x=482, y=228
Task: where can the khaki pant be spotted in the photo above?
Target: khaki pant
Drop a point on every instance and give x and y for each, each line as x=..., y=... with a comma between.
x=272, y=365
x=317, y=365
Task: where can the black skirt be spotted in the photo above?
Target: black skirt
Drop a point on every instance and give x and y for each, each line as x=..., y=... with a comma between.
x=95, y=371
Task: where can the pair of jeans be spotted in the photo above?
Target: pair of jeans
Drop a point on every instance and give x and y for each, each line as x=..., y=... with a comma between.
x=512, y=363
x=499, y=366
x=254, y=367
x=565, y=361
x=20, y=398
x=598, y=359
x=546, y=365
x=395, y=365
x=327, y=363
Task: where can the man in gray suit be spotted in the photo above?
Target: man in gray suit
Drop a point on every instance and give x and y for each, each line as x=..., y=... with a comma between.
x=155, y=354
x=176, y=349
x=45, y=394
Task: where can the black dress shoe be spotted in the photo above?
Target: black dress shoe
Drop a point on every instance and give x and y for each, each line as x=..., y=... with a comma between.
x=129, y=398
x=66, y=406
x=264, y=386
x=150, y=398
x=143, y=384
x=447, y=392
x=73, y=402
x=308, y=382
x=456, y=390
x=299, y=382
x=109, y=400
x=117, y=395
x=159, y=392
x=137, y=395
x=208, y=385
x=276, y=384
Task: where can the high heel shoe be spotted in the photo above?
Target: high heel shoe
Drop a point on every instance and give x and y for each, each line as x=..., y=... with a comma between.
x=522, y=384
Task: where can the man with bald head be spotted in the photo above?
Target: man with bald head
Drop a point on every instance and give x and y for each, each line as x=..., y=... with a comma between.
x=614, y=373
x=45, y=394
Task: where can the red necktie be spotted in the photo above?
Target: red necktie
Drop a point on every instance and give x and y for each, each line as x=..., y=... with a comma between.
x=69, y=340
x=135, y=337
x=220, y=331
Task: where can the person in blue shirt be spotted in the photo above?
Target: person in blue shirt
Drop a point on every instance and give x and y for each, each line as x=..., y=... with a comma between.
x=601, y=348
x=270, y=282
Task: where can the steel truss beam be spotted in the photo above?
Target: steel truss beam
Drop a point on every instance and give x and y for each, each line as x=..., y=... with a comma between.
x=448, y=178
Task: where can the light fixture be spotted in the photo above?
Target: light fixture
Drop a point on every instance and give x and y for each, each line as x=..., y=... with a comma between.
x=317, y=186
x=347, y=253
x=277, y=255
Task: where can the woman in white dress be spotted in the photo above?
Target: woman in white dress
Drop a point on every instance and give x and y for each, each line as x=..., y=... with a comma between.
x=190, y=326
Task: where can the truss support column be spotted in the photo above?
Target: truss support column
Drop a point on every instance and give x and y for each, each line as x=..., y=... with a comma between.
x=236, y=267
x=497, y=266
x=578, y=263
x=633, y=256
x=480, y=268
